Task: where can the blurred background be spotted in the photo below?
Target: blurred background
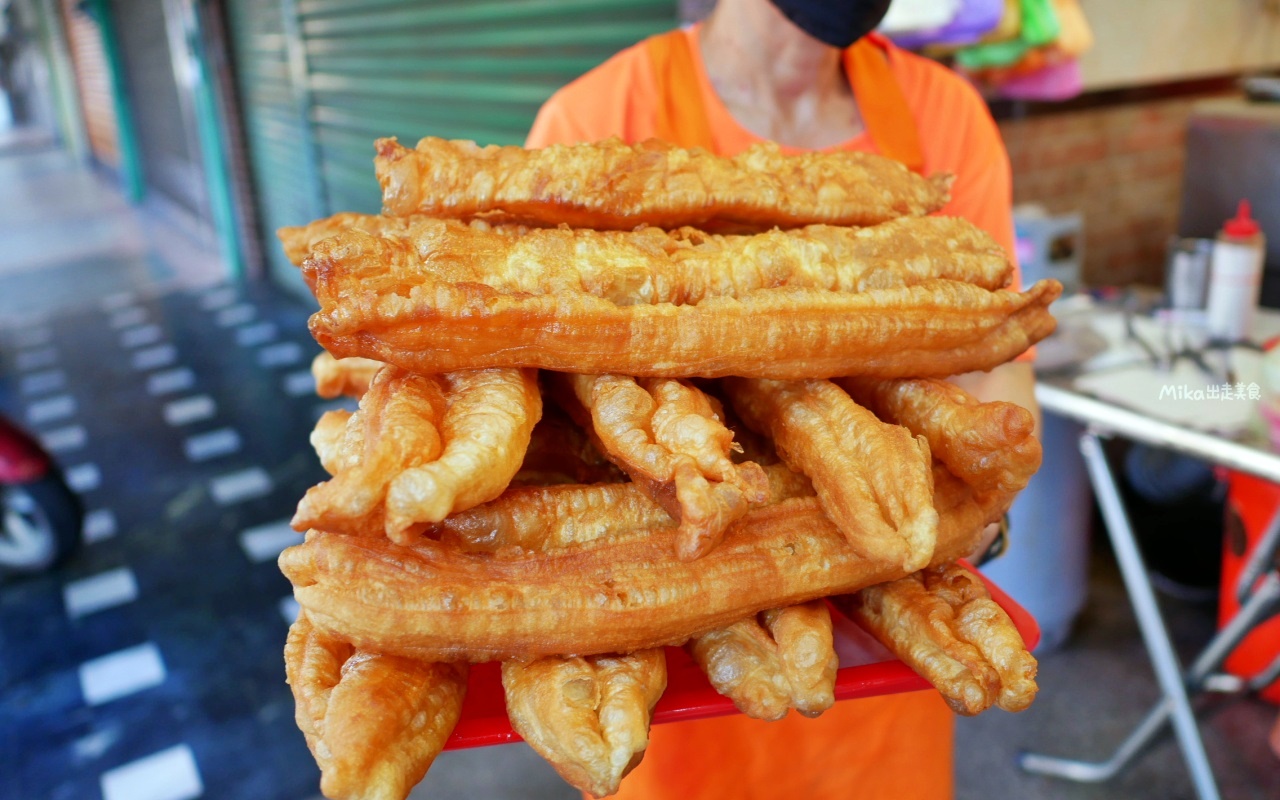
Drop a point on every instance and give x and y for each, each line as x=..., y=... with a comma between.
x=155, y=397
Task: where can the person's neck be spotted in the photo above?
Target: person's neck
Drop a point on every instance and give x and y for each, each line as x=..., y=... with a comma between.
x=776, y=80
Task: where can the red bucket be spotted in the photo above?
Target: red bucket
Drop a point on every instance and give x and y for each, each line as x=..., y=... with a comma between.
x=1251, y=502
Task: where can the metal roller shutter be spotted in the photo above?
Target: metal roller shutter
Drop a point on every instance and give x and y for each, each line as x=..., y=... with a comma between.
x=333, y=75
x=93, y=81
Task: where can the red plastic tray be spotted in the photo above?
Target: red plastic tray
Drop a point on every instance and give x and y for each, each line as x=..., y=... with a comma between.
x=866, y=669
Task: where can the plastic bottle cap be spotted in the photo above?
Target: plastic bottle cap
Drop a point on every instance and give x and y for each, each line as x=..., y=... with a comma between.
x=1241, y=226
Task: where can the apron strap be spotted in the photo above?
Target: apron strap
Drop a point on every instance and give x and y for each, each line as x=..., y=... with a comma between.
x=682, y=120
x=883, y=105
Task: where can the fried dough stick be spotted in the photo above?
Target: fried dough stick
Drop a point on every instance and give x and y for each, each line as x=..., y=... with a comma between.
x=684, y=266
x=336, y=377
x=545, y=518
x=377, y=302
x=768, y=664
x=990, y=446
x=610, y=184
x=874, y=480
x=668, y=437
x=790, y=662
x=943, y=624
x=421, y=448
x=588, y=716
x=432, y=601
x=374, y=723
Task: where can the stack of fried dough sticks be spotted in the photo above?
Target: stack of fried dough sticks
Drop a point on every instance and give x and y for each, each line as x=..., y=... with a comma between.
x=618, y=398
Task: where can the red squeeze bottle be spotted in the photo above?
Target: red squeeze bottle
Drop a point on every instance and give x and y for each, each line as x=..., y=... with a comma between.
x=1235, y=279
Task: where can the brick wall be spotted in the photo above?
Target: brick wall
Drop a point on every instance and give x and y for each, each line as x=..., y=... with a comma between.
x=1121, y=166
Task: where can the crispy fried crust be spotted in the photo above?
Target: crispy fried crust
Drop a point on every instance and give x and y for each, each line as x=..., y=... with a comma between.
x=668, y=437
x=397, y=427
x=874, y=479
x=589, y=717
x=610, y=184
x=684, y=266
x=990, y=446
x=421, y=448
x=557, y=517
x=377, y=302
x=771, y=663
x=426, y=600
x=942, y=623
x=373, y=722
x=335, y=377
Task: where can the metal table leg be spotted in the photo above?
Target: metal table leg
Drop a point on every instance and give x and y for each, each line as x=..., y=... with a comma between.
x=1163, y=659
x=1262, y=604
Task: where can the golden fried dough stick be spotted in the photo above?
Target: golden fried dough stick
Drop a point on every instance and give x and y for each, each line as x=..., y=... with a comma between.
x=397, y=427
x=687, y=265
x=874, y=480
x=984, y=624
x=376, y=302
x=990, y=446
x=943, y=624
x=610, y=184
x=587, y=716
x=556, y=517
x=374, y=723
x=421, y=448
x=299, y=240
x=782, y=659
x=668, y=437
x=433, y=601
x=343, y=376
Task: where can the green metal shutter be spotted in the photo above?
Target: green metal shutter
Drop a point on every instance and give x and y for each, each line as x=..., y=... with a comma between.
x=408, y=68
x=286, y=185
x=459, y=70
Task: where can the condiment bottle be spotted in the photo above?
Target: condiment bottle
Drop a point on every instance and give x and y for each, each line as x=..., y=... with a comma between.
x=1236, y=277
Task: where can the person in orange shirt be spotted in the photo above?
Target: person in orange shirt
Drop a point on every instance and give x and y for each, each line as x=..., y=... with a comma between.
x=809, y=75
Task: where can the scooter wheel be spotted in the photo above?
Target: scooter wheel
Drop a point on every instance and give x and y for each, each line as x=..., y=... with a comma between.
x=40, y=524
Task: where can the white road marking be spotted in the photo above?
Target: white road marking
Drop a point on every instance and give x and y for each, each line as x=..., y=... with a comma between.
x=117, y=301
x=234, y=315
x=281, y=354
x=99, y=524
x=264, y=542
x=219, y=298
x=127, y=317
x=37, y=358
x=32, y=337
x=60, y=440
x=256, y=334
x=49, y=380
x=99, y=592
x=51, y=408
x=167, y=775
x=236, y=487
x=204, y=446
x=189, y=409
x=121, y=674
x=161, y=355
x=288, y=609
x=83, y=478
x=170, y=380
x=299, y=382
x=140, y=336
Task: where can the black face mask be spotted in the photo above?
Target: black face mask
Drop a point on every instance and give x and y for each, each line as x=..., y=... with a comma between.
x=838, y=23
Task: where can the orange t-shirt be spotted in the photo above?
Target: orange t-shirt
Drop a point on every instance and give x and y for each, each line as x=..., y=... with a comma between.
x=891, y=747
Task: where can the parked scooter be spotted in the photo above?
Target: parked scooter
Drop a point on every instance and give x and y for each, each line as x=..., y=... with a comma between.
x=41, y=517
